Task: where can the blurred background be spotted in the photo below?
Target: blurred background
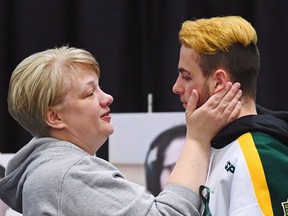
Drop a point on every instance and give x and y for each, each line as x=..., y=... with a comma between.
x=136, y=44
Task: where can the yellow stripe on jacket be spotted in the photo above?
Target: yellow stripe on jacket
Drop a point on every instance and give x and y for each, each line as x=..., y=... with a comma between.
x=256, y=172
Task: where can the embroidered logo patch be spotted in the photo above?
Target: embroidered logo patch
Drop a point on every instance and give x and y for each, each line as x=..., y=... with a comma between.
x=285, y=207
x=229, y=167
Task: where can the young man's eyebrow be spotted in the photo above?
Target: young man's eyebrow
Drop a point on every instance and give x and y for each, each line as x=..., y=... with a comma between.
x=183, y=70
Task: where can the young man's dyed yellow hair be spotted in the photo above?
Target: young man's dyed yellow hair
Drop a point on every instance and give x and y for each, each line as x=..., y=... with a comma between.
x=228, y=43
x=208, y=36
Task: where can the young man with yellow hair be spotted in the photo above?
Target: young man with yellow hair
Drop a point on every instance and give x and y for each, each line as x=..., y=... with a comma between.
x=249, y=158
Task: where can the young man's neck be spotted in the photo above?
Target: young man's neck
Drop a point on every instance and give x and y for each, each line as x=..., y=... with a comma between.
x=248, y=107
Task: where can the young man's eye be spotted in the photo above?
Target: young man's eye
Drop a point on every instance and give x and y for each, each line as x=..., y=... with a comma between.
x=186, y=78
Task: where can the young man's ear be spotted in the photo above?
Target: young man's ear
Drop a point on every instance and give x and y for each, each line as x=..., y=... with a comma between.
x=53, y=119
x=220, y=78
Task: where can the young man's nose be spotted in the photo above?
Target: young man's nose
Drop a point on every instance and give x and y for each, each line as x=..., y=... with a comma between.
x=177, y=88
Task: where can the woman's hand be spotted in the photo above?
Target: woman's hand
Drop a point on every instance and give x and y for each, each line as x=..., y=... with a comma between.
x=220, y=109
x=203, y=124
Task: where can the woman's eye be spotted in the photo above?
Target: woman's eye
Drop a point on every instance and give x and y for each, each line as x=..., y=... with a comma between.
x=91, y=93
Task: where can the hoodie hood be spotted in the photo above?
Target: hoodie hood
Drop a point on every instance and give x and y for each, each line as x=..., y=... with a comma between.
x=273, y=123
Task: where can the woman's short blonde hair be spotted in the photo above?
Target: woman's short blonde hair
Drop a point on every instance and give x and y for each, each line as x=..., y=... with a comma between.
x=37, y=84
x=208, y=36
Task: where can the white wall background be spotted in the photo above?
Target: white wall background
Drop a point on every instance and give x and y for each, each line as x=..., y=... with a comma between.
x=134, y=132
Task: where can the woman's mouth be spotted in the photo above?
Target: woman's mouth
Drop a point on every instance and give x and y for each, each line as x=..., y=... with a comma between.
x=106, y=117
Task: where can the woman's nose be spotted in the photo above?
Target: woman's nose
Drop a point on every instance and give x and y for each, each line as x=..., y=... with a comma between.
x=106, y=99
x=109, y=99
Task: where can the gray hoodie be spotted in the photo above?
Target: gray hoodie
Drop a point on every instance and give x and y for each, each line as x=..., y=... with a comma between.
x=52, y=177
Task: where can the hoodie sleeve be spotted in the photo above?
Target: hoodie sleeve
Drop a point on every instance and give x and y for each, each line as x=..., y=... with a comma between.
x=103, y=190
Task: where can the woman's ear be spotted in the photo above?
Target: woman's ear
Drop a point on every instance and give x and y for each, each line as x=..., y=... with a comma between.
x=53, y=119
x=220, y=78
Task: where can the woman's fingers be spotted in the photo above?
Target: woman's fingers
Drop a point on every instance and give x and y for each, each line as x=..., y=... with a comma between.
x=226, y=96
x=230, y=100
x=214, y=101
x=229, y=106
x=233, y=109
x=192, y=103
x=218, y=111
